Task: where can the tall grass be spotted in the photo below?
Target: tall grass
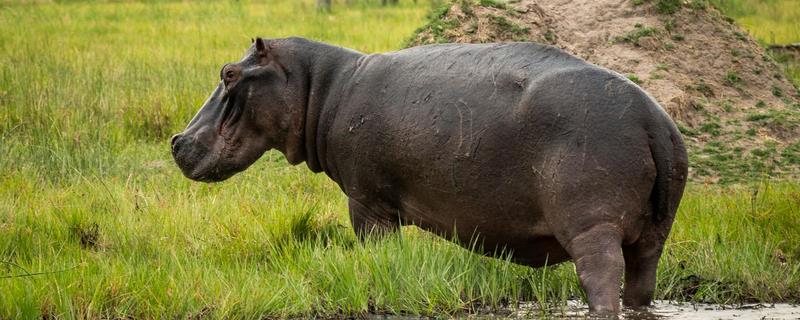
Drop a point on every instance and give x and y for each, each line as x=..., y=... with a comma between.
x=81, y=82
x=734, y=244
x=276, y=242
x=96, y=221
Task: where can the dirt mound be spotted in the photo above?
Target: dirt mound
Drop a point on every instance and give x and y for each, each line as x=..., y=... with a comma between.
x=739, y=114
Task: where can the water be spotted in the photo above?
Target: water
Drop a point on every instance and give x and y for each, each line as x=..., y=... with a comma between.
x=708, y=311
x=660, y=310
x=689, y=311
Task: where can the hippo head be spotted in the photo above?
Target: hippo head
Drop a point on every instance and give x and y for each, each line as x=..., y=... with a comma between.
x=246, y=115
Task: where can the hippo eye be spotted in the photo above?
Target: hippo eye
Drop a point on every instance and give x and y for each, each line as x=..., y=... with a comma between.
x=227, y=74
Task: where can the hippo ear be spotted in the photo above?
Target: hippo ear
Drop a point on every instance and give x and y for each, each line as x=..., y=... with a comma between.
x=261, y=48
x=261, y=51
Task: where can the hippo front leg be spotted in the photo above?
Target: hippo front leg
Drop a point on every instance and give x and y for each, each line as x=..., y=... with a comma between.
x=371, y=220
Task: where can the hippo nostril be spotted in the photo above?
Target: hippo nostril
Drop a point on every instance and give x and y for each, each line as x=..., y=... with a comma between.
x=174, y=142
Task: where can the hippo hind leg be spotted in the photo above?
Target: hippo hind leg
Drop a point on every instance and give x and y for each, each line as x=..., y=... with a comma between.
x=372, y=221
x=589, y=214
x=597, y=254
x=641, y=262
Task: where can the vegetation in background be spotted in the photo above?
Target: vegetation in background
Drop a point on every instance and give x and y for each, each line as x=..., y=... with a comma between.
x=667, y=6
x=84, y=85
x=97, y=222
x=500, y=21
x=638, y=32
x=770, y=22
x=510, y=29
x=438, y=26
x=791, y=64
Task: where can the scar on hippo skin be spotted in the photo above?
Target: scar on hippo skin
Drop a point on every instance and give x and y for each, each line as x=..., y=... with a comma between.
x=519, y=146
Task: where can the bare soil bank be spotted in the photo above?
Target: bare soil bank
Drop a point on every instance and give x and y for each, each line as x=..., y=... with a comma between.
x=738, y=112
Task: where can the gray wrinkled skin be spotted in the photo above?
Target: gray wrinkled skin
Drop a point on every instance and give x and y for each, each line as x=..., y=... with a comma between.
x=518, y=145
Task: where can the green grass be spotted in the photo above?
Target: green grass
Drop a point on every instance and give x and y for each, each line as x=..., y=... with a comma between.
x=668, y=6
x=638, y=32
x=504, y=26
x=81, y=82
x=90, y=198
x=271, y=243
x=275, y=242
x=736, y=245
x=769, y=21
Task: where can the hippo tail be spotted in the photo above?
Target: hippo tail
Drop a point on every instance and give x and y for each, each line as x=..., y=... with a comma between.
x=671, y=162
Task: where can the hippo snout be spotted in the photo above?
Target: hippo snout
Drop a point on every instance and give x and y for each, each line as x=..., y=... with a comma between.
x=185, y=160
x=185, y=150
x=188, y=155
x=174, y=142
x=197, y=154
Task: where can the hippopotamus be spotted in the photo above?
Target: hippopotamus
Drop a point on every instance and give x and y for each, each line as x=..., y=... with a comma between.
x=519, y=146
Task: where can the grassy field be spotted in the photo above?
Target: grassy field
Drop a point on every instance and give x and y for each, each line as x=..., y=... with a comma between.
x=97, y=222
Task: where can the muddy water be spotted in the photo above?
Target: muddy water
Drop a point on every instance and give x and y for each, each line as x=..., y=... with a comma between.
x=660, y=310
x=672, y=310
x=705, y=311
